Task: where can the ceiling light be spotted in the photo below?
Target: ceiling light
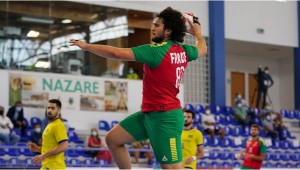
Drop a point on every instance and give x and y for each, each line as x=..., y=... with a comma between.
x=33, y=33
x=37, y=20
x=66, y=21
x=42, y=64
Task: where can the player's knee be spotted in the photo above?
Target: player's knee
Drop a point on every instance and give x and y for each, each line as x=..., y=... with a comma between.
x=109, y=139
x=172, y=166
x=112, y=139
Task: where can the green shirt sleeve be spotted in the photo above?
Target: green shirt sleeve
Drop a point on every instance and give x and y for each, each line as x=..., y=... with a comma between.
x=263, y=147
x=147, y=55
x=191, y=51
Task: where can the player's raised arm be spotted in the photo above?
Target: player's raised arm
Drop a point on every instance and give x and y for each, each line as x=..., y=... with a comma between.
x=196, y=31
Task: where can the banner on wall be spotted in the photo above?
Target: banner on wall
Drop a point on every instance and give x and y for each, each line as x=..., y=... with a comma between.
x=76, y=93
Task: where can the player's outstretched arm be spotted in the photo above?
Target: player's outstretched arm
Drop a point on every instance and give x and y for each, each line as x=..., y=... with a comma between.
x=105, y=50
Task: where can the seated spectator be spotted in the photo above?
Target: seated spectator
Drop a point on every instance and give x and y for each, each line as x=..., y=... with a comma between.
x=279, y=126
x=241, y=116
x=244, y=104
x=267, y=108
x=209, y=124
x=132, y=74
x=36, y=136
x=94, y=141
x=273, y=126
x=268, y=125
x=142, y=145
x=16, y=115
x=5, y=127
x=243, y=101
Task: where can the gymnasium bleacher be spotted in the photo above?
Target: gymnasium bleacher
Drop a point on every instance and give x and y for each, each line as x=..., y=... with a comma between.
x=218, y=153
x=221, y=153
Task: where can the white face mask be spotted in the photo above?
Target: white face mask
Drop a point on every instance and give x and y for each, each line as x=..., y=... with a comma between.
x=207, y=111
x=38, y=130
x=267, y=71
x=94, y=133
x=239, y=105
x=239, y=96
x=18, y=109
x=267, y=107
x=268, y=117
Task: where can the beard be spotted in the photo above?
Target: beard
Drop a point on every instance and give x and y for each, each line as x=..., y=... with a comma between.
x=158, y=39
x=254, y=135
x=52, y=116
x=187, y=123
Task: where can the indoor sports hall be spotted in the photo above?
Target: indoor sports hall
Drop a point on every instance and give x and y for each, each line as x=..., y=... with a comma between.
x=250, y=75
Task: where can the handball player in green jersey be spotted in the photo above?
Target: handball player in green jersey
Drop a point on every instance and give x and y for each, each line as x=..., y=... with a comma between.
x=161, y=118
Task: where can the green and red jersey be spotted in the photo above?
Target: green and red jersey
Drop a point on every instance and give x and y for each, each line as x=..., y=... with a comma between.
x=164, y=66
x=255, y=147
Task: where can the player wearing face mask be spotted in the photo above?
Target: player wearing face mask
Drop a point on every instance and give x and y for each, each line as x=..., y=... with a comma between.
x=94, y=141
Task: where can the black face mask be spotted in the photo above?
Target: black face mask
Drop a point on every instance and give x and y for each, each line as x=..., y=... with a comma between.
x=1, y=112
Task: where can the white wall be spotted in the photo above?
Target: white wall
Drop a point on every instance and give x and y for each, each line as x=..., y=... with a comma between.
x=242, y=18
x=200, y=8
x=279, y=20
x=281, y=93
x=286, y=74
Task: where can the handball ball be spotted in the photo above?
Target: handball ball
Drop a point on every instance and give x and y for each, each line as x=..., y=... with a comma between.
x=188, y=16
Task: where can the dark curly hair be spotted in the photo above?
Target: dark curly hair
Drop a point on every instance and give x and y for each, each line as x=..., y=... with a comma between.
x=189, y=111
x=173, y=20
x=56, y=101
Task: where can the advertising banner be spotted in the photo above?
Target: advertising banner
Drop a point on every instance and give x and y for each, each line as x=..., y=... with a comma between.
x=77, y=93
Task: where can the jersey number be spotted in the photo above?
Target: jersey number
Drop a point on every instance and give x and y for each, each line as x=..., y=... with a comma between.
x=179, y=75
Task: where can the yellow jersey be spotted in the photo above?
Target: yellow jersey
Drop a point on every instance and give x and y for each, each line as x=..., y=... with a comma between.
x=191, y=139
x=54, y=133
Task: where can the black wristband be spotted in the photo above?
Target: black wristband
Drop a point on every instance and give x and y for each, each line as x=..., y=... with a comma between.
x=196, y=20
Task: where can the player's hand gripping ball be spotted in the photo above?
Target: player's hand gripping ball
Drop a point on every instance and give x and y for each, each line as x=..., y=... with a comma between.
x=191, y=17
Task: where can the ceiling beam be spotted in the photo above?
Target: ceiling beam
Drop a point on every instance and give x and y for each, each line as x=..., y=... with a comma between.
x=43, y=11
x=137, y=23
